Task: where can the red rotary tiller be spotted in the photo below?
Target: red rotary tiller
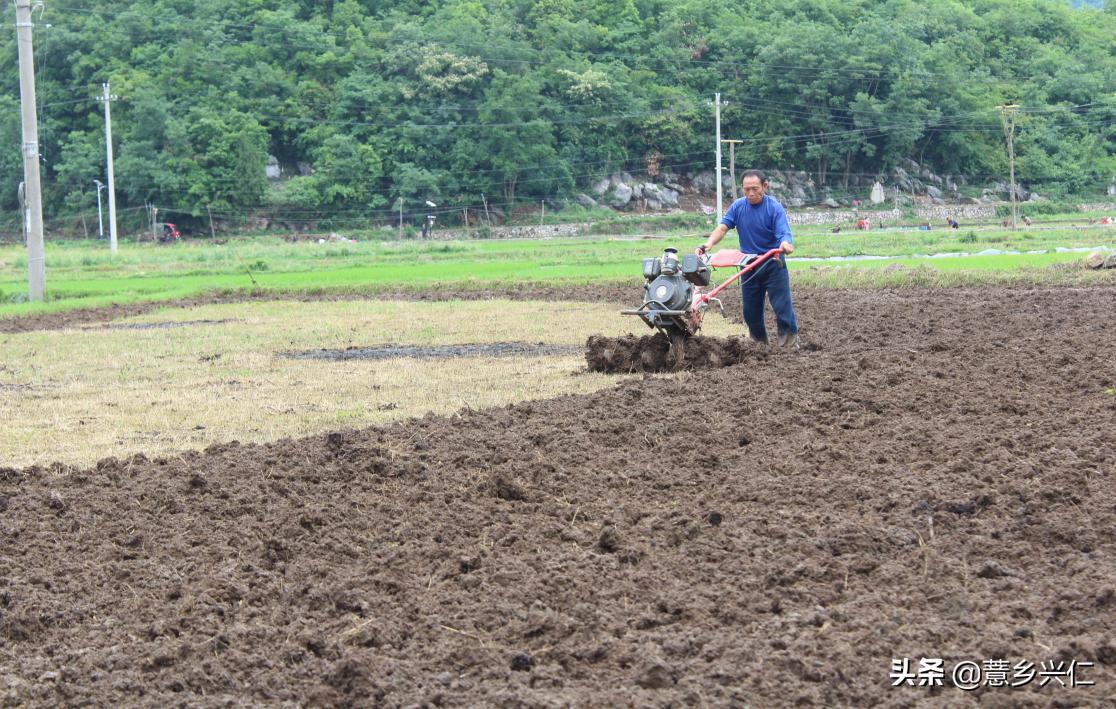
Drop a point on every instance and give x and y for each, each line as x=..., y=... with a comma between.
x=674, y=300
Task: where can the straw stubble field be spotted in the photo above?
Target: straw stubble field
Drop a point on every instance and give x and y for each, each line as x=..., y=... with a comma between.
x=181, y=379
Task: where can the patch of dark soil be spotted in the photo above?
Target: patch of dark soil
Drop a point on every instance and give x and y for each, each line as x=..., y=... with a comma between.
x=771, y=534
x=488, y=349
x=158, y=325
x=650, y=353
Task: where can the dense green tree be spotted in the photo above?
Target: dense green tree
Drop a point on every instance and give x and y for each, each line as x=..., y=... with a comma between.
x=365, y=101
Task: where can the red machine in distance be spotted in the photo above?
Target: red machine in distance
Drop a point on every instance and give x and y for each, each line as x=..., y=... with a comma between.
x=170, y=233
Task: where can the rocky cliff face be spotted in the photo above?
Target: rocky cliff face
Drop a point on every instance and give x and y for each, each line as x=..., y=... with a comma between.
x=796, y=189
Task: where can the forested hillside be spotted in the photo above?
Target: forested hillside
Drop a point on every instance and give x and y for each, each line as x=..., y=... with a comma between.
x=366, y=101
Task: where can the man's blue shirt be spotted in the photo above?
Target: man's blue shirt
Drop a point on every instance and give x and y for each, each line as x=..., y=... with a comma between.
x=762, y=227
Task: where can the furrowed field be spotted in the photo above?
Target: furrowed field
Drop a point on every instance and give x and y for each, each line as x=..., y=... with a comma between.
x=379, y=473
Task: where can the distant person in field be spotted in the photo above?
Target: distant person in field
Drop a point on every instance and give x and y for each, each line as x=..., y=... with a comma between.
x=863, y=224
x=1026, y=220
x=761, y=225
x=952, y=223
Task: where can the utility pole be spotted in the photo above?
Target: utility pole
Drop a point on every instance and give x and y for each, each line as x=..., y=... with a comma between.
x=400, y=216
x=21, y=192
x=487, y=216
x=717, y=112
x=1008, y=111
x=100, y=219
x=108, y=98
x=33, y=216
x=732, y=164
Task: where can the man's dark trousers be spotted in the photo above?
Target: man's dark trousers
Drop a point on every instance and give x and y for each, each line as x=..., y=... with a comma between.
x=771, y=279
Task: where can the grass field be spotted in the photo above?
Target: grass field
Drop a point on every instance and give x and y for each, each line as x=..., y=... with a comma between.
x=83, y=274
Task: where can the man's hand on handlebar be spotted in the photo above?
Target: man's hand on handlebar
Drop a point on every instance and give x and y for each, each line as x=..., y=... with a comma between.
x=788, y=247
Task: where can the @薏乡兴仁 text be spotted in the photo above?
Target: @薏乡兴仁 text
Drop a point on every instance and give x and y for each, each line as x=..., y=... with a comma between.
x=969, y=675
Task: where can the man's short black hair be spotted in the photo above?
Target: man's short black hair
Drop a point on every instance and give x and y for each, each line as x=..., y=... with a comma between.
x=754, y=173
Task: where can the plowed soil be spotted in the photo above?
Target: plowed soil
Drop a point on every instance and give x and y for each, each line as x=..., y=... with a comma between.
x=936, y=480
x=651, y=353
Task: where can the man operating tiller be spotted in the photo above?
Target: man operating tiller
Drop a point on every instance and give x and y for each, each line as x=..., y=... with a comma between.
x=761, y=223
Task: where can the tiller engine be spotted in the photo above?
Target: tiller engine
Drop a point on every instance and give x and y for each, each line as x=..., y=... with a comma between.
x=674, y=299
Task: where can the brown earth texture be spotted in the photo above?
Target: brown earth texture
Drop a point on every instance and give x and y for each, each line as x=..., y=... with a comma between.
x=935, y=478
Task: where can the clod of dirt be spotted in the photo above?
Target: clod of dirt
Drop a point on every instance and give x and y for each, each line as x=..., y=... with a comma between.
x=961, y=508
x=158, y=662
x=507, y=489
x=971, y=507
x=609, y=541
x=657, y=676
x=468, y=563
x=522, y=662
x=1106, y=654
x=3, y=503
x=715, y=518
x=56, y=503
x=1106, y=599
x=994, y=570
x=624, y=355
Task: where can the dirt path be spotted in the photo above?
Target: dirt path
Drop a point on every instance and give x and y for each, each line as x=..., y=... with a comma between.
x=936, y=480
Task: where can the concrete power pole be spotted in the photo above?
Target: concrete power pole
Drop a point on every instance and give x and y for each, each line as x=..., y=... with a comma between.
x=100, y=219
x=36, y=254
x=732, y=164
x=1007, y=111
x=108, y=98
x=717, y=112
